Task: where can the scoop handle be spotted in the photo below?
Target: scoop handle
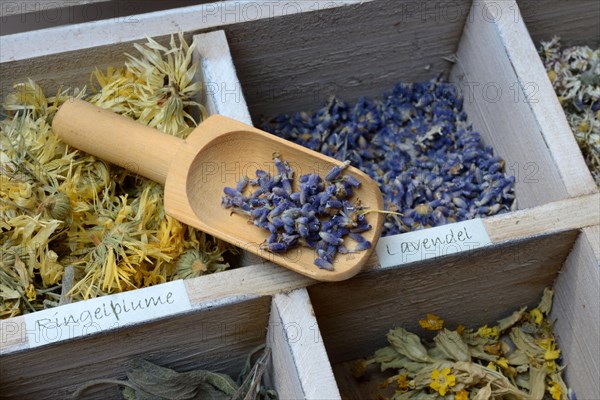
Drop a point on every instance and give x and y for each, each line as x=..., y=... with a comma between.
x=116, y=138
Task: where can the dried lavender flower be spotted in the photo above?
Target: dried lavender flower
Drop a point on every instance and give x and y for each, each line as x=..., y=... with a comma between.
x=319, y=215
x=416, y=143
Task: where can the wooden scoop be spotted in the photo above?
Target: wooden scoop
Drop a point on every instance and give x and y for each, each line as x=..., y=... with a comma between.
x=195, y=171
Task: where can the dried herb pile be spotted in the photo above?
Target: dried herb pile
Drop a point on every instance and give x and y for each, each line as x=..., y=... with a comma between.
x=148, y=381
x=515, y=359
x=319, y=215
x=417, y=144
x=65, y=210
x=575, y=75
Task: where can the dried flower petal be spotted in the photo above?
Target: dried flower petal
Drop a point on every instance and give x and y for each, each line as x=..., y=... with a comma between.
x=432, y=322
x=442, y=380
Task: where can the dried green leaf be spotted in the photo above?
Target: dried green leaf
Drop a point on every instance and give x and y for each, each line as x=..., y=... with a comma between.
x=512, y=319
x=408, y=344
x=451, y=344
x=479, y=353
x=484, y=393
x=526, y=343
x=169, y=384
x=545, y=304
x=537, y=382
x=517, y=357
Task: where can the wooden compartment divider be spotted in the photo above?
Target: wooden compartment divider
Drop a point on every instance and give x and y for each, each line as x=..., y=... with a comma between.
x=576, y=310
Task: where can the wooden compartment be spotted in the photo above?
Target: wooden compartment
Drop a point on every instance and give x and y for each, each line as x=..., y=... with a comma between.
x=482, y=47
x=364, y=49
x=576, y=23
x=213, y=334
x=355, y=315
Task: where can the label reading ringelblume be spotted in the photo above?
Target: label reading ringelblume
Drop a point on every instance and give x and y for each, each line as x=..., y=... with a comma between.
x=432, y=243
x=105, y=313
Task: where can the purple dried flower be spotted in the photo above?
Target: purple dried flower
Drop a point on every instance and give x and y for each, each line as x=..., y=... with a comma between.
x=321, y=263
x=319, y=215
x=336, y=171
x=415, y=142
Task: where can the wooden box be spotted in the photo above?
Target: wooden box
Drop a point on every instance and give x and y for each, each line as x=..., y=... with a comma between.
x=289, y=57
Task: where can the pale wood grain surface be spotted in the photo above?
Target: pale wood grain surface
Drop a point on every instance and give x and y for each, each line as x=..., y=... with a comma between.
x=490, y=83
x=575, y=21
x=222, y=92
x=12, y=334
x=21, y=46
x=300, y=364
x=252, y=281
x=576, y=309
x=8, y=8
x=549, y=218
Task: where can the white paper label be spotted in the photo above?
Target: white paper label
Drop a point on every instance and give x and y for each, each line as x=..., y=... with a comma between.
x=105, y=313
x=431, y=243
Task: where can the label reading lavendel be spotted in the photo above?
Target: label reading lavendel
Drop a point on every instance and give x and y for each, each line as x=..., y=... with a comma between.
x=104, y=313
x=431, y=243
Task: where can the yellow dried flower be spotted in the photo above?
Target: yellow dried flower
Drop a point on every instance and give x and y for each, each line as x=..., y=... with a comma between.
x=551, y=354
x=403, y=382
x=537, y=316
x=554, y=390
x=461, y=395
x=59, y=206
x=502, y=362
x=432, y=322
x=488, y=333
x=156, y=88
x=30, y=292
x=207, y=257
x=442, y=380
x=51, y=270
